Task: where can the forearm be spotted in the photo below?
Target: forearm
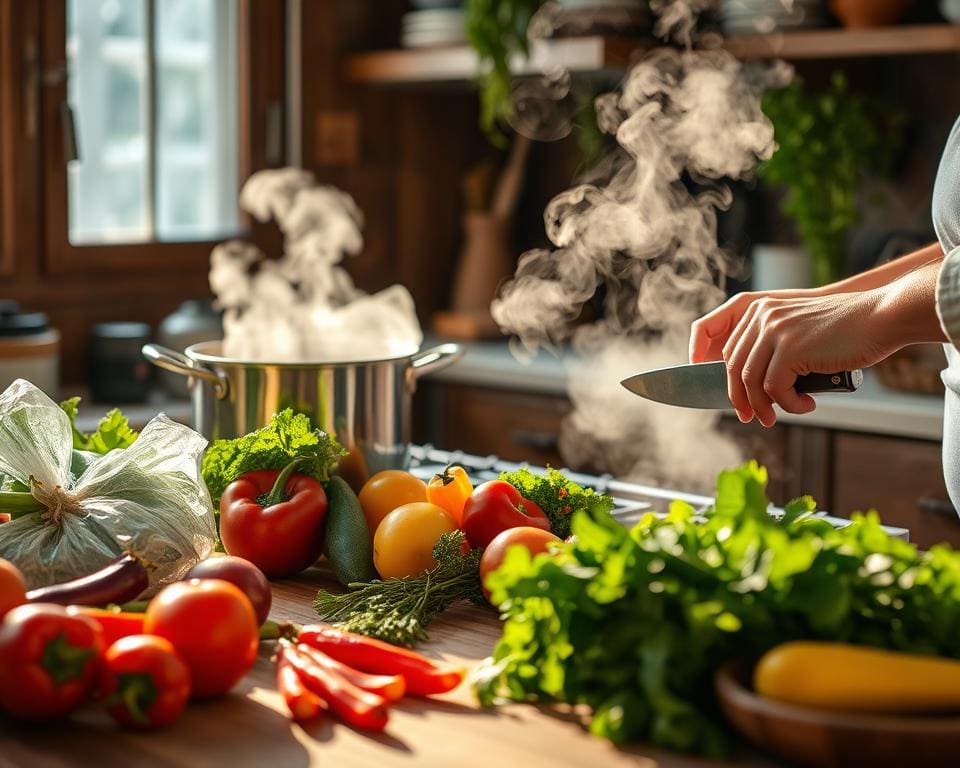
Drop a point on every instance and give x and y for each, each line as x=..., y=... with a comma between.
x=906, y=307
x=885, y=274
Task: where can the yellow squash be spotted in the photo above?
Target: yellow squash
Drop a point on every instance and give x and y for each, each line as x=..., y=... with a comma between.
x=855, y=678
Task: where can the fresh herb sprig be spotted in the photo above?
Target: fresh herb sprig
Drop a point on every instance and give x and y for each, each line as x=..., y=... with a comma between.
x=398, y=610
x=634, y=623
x=288, y=436
x=558, y=497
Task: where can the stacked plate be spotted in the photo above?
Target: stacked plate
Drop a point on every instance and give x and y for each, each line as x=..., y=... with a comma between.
x=609, y=17
x=433, y=27
x=751, y=17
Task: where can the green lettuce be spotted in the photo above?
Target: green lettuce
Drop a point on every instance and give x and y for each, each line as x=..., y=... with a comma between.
x=112, y=432
x=288, y=436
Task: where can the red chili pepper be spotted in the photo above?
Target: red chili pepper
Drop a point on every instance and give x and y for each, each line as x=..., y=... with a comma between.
x=145, y=681
x=303, y=704
x=274, y=519
x=423, y=676
x=114, y=624
x=353, y=705
x=49, y=661
x=390, y=687
x=496, y=506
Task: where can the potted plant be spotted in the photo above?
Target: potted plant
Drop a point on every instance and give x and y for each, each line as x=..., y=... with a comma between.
x=497, y=30
x=827, y=141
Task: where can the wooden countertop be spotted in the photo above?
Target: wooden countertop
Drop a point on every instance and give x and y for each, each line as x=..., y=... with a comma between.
x=250, y=727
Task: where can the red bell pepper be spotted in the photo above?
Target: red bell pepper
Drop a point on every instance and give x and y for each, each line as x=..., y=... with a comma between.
x=146, y=683
x=274, y=519
x=496, y=506
x=49, y=661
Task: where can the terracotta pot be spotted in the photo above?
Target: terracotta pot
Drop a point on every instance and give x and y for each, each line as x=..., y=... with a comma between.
x=869, y=13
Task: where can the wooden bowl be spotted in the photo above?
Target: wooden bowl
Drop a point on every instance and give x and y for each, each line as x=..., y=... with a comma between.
x=826, y=739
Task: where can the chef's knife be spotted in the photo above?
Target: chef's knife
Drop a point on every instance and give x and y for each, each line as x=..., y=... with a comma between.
x=704, y=385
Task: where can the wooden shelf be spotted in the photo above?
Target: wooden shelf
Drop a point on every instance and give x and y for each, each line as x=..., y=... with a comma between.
x=599, y=54
x=849, y=43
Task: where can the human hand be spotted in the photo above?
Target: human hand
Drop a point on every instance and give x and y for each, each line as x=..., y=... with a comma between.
x=767, y=341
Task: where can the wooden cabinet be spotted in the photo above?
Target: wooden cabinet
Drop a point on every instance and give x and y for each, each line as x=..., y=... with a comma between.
x=517, y=426
x=902, y=479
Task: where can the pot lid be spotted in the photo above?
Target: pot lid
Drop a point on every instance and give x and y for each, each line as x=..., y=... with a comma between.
x=13, y=322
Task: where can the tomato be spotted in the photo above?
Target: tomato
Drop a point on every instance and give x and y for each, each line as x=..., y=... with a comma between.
x=450, y=489
x=146, y=683
x=212, y=625
x=535, y=540
x=241, y=573
x=495, y=506
x=50, y=661
x=404, y=541
x=386, y=491
x=13, y=588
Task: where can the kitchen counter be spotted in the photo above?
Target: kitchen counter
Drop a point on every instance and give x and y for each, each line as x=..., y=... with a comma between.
x=874, y=409
x=250, y=727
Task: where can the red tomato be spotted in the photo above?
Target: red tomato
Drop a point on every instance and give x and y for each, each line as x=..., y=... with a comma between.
x=496, y=506
x=49, y=661
x=281, y=539
x=534, y=539
x=212, y=625
x=13, y=589
x=146, y=683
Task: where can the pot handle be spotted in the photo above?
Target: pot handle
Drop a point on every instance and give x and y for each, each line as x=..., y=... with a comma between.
x=434, y=359
x=176, y=362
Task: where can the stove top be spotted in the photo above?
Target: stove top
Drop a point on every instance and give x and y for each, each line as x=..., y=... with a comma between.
x=631, y=500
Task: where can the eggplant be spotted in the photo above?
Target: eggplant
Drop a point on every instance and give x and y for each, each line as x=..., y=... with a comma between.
x=120, y=581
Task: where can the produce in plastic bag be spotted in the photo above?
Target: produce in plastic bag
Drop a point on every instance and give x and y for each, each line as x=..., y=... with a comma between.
x=148, y=499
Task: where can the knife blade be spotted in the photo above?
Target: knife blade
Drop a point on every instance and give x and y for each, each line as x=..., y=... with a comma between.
x=704, y=385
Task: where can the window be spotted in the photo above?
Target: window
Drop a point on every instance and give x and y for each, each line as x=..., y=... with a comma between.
x=153, y=97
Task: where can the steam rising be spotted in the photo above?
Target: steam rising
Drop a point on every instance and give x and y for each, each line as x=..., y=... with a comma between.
x=304, y=306
x=644, y=230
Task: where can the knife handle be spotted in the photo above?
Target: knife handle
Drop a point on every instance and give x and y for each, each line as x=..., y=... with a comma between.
x=819, y=383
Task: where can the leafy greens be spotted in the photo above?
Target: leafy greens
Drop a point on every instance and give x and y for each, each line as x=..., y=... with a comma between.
x=558, y=497
x=288, y=436
x=112, y=432
x=634, y=623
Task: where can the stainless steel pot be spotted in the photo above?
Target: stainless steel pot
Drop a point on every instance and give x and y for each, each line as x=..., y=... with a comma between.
x=365, y=404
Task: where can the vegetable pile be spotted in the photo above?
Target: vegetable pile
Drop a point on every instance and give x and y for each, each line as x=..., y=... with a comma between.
x=195, y=639
x=634, y=623
x=434, y=543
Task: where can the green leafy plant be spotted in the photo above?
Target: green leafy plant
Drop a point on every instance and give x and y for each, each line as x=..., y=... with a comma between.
x=497, y=29
x=559, y=498
x=633, y=623
x=288, y=436
x=826, y=142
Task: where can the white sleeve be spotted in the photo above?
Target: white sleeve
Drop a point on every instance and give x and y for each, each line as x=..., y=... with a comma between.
x=948, y=296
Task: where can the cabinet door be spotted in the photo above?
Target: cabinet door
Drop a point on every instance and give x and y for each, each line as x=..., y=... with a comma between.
x=516, y=426
x=901, y=479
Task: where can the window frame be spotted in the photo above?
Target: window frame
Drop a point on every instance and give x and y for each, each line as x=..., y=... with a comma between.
x=261, y=77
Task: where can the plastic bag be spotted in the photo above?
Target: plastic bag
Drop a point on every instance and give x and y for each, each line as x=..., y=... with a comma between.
x=149, y=498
